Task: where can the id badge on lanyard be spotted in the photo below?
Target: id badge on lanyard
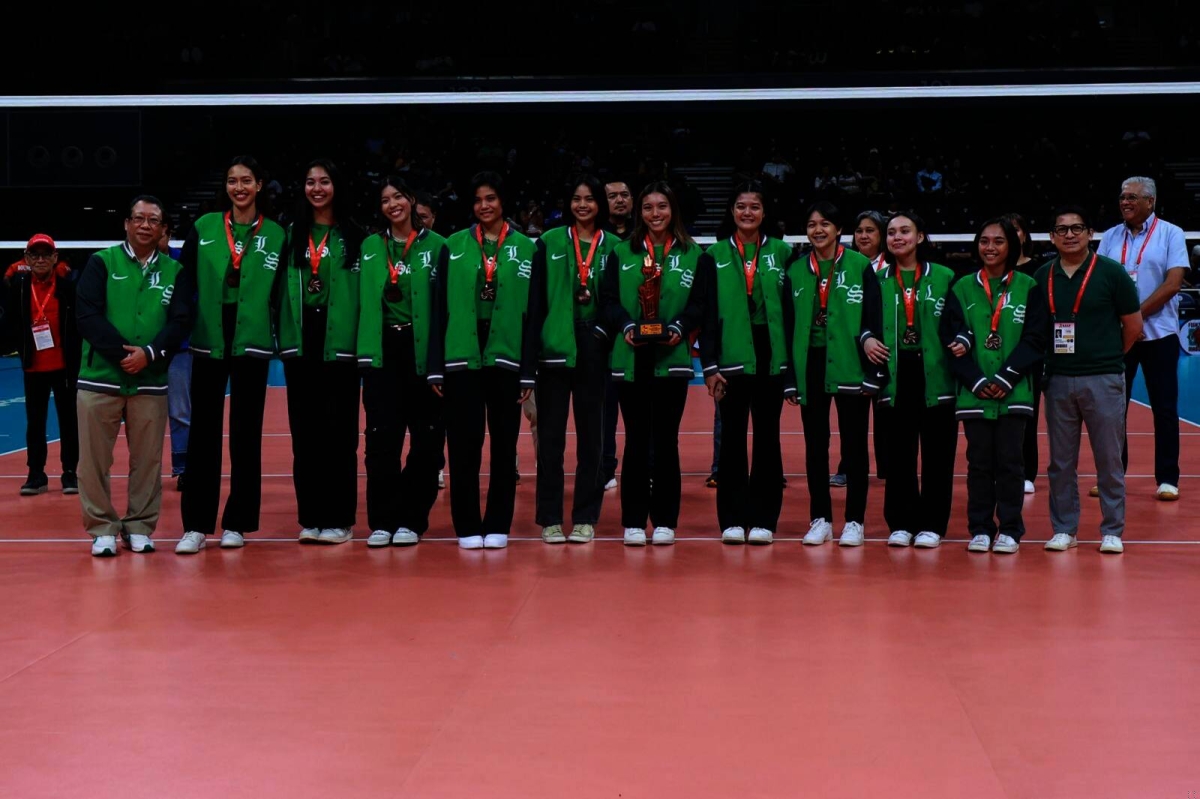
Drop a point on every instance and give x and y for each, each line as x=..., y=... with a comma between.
x=43, y=339
x=1064, y=338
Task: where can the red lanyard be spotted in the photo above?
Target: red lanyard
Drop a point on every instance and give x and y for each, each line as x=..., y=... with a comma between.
x=387, y=245
x=237, y=254
x=40, y=305
x=997, y=307
x=751, y=266
x=1082, y=288
x=666, y=251
x=585, y=264
x=909, y=294
x=314, y=252
x=827, y=283
x=489, y=261
x=881, y=264
x=1125, y=243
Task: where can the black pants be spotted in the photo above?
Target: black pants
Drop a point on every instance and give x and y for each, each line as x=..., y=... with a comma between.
x=880, y=448
x=1030, y=447
x=560, y=390
x=652, y=408
x=1159, y=360
x=751, y=496
x=38, y=386
x=913, y=427
x=852, y=411
x=323, y=402
x=399, y=400
x=475, y=397
x=247, y=381
x=995, y=476
x=611, y=412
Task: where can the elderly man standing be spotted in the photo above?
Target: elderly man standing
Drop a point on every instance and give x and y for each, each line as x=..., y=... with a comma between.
x=1154, y=254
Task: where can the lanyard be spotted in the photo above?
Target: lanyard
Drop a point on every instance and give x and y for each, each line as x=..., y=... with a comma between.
x=236, y=253
x=826, y=283
x=1125, y=243
x=489, y=261
x=996, y=307
x=1082, y=288
x=314, y=252
x=40, y=305
x=393, y=270
x=751, y=266
x=585, y=264
x=909, y=294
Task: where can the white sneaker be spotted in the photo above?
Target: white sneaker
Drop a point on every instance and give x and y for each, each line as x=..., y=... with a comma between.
x=309, y=534
x=1006, y=544
x=1113, y=544
x=104, y=546
x=471, y=542
x=1168, y=492
x=1061, y=542
x=611, y=484
x=733, y=535
x=405, y=538
x=819, y=531
x=635, y=537
x=760, y=535
x=927, y=540
x=190, y=544
x=980, y=543
x=441, y=478
x=379, y=538
x=335, y=535
x=900, y=538
x=495, y=541
x=232, y=540
x=137, y=542
x=852, y=535
x=1029, y=487
x=663, y=536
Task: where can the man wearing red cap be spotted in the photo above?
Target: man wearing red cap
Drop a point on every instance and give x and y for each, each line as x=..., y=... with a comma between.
x=41, y=317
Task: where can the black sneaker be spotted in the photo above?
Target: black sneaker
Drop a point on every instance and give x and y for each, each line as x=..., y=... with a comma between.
x=711, y=482
x=179, y=482
x=70, y=483
x=36, y=484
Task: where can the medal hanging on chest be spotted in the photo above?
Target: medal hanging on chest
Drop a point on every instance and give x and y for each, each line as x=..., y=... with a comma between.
x=392, y=291
x=233, y=274
x=993, y=340
x=909, y=294
x=824, y=285
x=583, y=295
x=751, y=269
x=315, y=253
x=488, y=292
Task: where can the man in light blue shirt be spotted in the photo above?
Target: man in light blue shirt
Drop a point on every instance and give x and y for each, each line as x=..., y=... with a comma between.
x=1154, y=254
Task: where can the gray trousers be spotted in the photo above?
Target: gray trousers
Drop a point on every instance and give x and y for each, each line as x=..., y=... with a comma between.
x=1097, y=401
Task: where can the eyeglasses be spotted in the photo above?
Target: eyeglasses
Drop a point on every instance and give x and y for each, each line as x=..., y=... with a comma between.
x=1132, y=198
x=1063, y=230
x=152, y=221
x=37, y=255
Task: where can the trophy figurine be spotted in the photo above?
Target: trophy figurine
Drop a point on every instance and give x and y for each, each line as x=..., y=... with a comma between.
x=650, y=328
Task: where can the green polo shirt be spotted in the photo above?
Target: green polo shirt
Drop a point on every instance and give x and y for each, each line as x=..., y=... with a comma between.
x=1110, y=295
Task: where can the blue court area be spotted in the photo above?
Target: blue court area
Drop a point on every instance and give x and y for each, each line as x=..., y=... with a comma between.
x=12, y=399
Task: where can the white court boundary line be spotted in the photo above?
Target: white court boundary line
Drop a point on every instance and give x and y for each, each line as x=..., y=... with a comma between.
x=714, y=539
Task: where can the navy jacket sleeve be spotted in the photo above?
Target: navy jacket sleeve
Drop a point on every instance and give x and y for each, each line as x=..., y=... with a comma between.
x=91, y=301
x=1031, y=349
x=710, y=335
x=435, y=366
x=616, y=319
x=535, y=317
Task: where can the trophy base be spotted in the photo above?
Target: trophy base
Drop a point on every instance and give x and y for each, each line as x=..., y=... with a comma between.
x=651, y=330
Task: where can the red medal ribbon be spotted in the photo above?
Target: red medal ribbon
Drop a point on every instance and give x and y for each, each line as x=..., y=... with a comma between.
x=392, y=269
x=996, y=307
x=233, y=250
x=666, y=250
x=909, y=294
x=489, y=262
x=314, y=252
x=585, y=264
x=827, y=283
x=751, y=266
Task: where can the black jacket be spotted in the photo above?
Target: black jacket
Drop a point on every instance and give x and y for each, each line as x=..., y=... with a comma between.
x=19, y=318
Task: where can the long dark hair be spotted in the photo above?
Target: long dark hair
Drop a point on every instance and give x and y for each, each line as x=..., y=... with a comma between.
x=262, y=201
x=352, y=234
x=727, y=227
x=925, y=249
x=1018, y=221
x=401, y=186
x=1010, y=235
x=678, y=229
x=597, y=189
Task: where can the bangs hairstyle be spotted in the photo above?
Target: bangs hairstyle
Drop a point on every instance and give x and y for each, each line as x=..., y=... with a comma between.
x=262, y=201
x=1010, y=235
x=1019, y=222
x=827, y=210
x=925, y=250
x=352, y=234
x=728, y=226
x=401, y=186
x=678, y=229
x=1078, y=210
x=597, y=189
x=492, y=179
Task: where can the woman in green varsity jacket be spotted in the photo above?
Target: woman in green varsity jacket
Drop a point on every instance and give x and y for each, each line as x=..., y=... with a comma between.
x=393, y=348
x=916, y=408
x=659, y=265
x=744, y=354
x=833, y=327
x=318, y=328
x=995, y=327
x=564, y=337
x=233, y=257
x=481, y=294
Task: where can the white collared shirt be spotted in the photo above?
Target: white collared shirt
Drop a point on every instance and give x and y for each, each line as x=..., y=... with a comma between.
x=1165, y=250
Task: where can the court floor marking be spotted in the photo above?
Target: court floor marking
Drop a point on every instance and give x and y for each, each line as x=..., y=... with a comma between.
x=533, y=475
x=714, y=539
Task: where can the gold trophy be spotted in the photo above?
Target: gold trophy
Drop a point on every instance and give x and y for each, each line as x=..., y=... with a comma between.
x=650, y=328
